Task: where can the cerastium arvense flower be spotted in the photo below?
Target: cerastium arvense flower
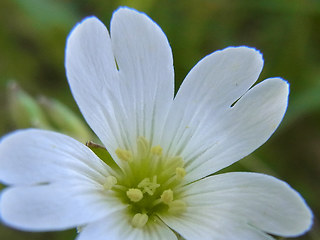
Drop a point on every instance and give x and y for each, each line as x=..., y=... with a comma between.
x=164, y=148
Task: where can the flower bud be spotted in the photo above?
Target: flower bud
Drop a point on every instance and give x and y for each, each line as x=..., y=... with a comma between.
x=64, y=119
x=24, y=110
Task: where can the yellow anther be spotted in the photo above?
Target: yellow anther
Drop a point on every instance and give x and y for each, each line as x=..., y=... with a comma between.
x=123, y=154
x=180, y=173
x=110, y=182
x=143, y=146
x=148, y=186
x=177, y=206
x=167, y=196
x=176, y=161
x=156, y=150
x=139, y=220
x=134, y=194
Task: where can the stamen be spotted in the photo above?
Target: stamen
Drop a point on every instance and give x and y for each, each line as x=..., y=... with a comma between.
x=123, y=154
x=110, y=182
x=143, y=146
x=134, y=194
x=139, y=220
x=177, y=206
x=177, y=161
x=148, y=186
x=150, y=181
x=180, y=173
x=171, y=164
x=167, y=196
x=120, y=188
x=156, y=150
x=156, y=202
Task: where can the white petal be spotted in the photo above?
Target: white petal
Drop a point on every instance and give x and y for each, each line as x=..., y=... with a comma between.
x=260, y=201
x=208, y=91
x=145, y=62
x=55, y=206
x=207, y=224
x=117, y=226
x=237, y=132
x=94, y=80
x=38, y=156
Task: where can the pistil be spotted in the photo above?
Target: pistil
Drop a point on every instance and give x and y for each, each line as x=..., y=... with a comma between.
x=149, y=182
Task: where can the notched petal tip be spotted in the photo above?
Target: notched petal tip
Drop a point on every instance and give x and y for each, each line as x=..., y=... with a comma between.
x=303, y=219
x=125, y=14
x=86, y=24
x=123, y=10
x=282, y=83
x=246, y=51
x=306, y=223
x=296, y=210
x=89, y=20
x=264, y=202
x=279, y=87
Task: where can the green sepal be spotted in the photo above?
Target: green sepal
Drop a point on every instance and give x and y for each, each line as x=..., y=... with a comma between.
x=103, y=154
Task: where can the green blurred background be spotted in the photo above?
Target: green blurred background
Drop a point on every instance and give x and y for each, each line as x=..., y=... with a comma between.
x=32, y=42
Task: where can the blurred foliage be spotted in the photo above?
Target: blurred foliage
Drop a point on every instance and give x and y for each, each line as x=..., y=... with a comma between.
x=26, y=111
x=32, y=41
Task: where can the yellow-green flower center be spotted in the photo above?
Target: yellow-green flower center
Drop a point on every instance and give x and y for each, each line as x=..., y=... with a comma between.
x=149, y=182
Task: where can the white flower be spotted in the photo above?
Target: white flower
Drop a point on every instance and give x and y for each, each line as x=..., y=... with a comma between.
x=165, y=147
